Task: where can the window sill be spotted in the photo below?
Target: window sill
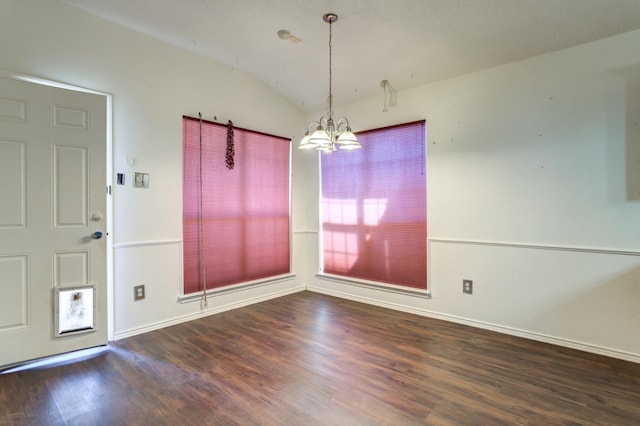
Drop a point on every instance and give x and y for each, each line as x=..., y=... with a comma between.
x=390, y=288
x=193, y=297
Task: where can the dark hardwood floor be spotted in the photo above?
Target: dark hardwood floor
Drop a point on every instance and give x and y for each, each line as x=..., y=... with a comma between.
x=310, y=359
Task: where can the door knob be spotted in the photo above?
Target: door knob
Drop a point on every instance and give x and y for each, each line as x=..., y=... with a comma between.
x=97, y=235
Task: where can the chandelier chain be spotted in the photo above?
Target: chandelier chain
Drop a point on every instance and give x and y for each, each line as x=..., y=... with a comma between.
x=330, y=70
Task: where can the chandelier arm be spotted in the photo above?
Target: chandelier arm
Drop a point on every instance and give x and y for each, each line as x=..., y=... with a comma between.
x=314, y=124
x=342, y=124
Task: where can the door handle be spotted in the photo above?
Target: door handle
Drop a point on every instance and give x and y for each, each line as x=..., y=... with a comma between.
x=97, y=235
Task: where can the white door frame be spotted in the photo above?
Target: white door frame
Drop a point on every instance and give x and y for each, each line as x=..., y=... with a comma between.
x=109, y=179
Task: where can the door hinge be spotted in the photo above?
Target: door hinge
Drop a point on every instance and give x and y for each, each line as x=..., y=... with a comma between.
x=109, y=189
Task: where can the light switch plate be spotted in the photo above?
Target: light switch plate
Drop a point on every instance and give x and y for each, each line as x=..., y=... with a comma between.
x=141, y=180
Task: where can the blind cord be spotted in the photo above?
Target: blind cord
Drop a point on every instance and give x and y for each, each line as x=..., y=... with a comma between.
x=205, y=303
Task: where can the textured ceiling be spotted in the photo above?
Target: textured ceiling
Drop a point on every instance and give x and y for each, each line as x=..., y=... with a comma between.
x=407, y=42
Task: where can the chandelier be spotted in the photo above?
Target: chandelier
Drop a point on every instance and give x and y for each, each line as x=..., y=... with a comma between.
x=329, y=134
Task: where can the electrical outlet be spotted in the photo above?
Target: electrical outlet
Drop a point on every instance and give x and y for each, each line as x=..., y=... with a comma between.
x=138, y=292
x=467, y=286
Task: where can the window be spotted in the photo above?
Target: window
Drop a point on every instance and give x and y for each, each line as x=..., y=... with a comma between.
x=239, y=230
x=374, y=207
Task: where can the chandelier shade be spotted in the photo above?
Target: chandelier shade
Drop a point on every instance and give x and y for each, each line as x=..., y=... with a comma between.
x=329, y=135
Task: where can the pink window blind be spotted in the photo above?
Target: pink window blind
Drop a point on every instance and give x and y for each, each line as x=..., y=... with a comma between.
x=374, y=207
x=245, y=210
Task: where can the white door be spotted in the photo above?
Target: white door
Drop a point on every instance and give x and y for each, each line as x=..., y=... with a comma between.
x=52, y=201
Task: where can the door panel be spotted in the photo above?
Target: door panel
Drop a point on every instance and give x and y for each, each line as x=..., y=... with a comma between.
x=13, y=162
x=52, y=183
x=14, y=310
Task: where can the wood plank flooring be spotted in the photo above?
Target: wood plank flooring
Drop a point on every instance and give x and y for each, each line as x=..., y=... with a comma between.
x=310, y=359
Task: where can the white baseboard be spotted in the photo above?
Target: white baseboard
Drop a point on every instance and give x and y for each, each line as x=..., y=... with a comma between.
x=581, y=346
x=585, y=347
x=204, y=313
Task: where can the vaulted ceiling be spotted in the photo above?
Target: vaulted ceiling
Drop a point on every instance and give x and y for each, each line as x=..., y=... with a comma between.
x=407, y=42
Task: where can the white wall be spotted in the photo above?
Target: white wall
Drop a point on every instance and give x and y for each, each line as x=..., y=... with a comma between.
x=152, y=85
x=534, y=180
x=533, y=193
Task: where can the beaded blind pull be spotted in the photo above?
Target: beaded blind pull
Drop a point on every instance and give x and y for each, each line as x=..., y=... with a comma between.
x=230, y=148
